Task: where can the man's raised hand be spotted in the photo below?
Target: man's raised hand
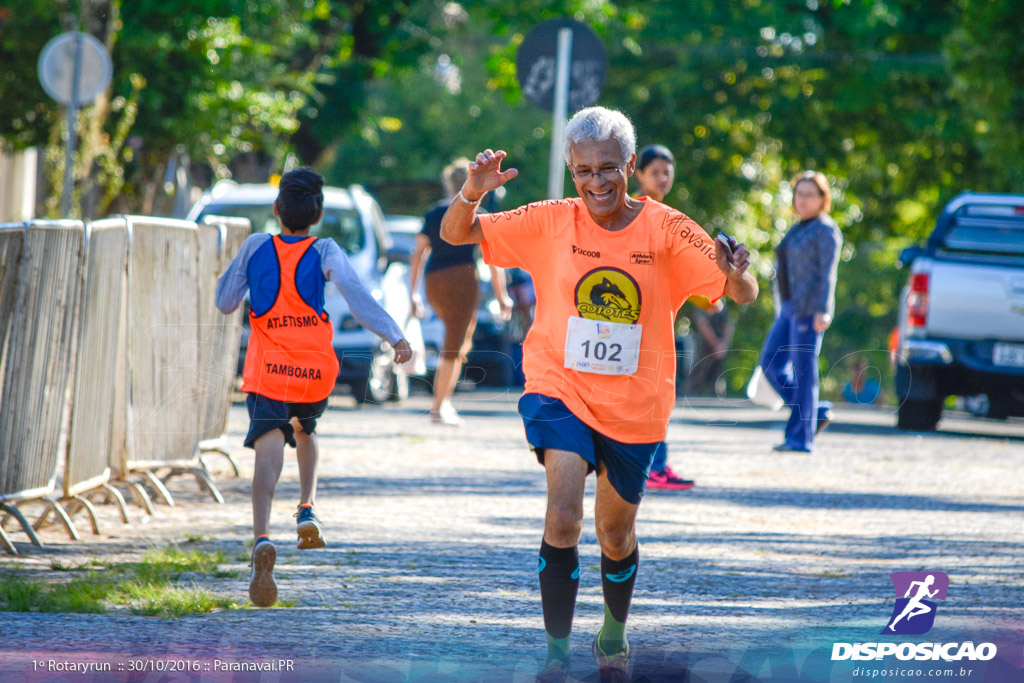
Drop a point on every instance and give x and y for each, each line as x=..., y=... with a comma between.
x=485, y=174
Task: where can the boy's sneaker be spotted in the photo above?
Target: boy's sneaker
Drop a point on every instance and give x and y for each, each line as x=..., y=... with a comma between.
x=555, y=672
x=309, y=528
x=262, y=589
x=667, y=479
x=613, y=668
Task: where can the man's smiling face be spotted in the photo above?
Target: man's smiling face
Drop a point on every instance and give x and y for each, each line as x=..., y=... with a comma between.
x=600, y=174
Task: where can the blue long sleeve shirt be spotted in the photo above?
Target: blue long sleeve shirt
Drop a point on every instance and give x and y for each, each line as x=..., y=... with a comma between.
x=333, y=265
x=807, y=260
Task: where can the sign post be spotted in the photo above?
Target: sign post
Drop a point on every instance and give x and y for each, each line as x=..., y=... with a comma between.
x=561, y=67
x=74, y=68
x=556, y=173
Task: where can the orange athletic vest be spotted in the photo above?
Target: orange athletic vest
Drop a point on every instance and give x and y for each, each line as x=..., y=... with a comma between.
x=290, y=355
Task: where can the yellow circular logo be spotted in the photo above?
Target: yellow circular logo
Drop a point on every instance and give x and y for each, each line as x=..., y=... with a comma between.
x=608, y=294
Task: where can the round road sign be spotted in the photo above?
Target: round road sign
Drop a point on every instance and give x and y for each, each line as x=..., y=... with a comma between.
x=536, y=68
x=57, y=68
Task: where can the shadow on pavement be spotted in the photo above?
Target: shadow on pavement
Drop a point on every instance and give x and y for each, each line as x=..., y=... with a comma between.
x=855, y=428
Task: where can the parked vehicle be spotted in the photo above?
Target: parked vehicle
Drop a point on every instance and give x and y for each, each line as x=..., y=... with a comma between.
x=353, y=219
x=403, y=231
x=490, y=361
x=961, y=319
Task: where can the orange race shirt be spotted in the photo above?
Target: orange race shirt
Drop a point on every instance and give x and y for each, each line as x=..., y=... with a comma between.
x=290, y=356
x=640, y=275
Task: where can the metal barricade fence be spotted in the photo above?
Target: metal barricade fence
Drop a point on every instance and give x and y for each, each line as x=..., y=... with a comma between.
x=220, y=239
x=12, y=238
x=37, y=357
x=86, y=468
x=162, y=352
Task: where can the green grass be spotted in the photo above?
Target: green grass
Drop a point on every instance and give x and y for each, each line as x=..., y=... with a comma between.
x=171, y=602
x=152, y=586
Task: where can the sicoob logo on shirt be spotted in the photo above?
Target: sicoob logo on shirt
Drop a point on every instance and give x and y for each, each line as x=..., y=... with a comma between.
x=608, y=294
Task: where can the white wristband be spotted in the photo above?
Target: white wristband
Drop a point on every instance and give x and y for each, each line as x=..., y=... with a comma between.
x=463, y=198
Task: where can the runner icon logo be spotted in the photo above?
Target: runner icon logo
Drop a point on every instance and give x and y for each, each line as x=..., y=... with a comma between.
x=914, y=612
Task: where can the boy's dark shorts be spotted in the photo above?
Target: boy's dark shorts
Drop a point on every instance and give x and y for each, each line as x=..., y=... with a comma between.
x=550, y=424
x=268, y=414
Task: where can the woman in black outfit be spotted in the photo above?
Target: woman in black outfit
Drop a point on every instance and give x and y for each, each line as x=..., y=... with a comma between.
x=452, y=291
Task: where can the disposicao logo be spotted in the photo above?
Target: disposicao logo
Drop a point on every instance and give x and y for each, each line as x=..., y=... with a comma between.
x=914, y=614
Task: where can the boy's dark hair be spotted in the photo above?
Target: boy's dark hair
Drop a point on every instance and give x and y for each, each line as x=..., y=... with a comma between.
x=300, y=199
x=652, y=152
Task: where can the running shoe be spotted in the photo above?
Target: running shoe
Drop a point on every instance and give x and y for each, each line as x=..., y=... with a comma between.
x=613, y=668
x=667, y=479
x=786, y=448
x=825, y=422
x=309, y=528
x=555, y=672
x=262, y=589
x=446, y=415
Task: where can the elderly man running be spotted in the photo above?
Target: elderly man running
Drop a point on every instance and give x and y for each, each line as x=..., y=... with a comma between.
x=610, y=272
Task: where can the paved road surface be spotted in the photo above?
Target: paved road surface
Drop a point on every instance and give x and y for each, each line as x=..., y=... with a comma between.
x=430, y=571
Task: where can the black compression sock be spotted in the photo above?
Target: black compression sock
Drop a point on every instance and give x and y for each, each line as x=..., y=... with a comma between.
x=617, y=580
x=559, y=573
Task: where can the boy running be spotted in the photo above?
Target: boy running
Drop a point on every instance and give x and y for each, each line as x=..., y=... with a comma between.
x=290, y=366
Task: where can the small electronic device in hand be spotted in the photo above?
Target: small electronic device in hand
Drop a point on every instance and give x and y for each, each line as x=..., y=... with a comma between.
x=730, y=242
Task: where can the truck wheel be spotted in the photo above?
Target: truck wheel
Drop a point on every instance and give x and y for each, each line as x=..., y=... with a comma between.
x=917, y=415
x=998, y=409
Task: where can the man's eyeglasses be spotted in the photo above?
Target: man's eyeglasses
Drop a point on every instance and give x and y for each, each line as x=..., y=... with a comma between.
x=603, y=173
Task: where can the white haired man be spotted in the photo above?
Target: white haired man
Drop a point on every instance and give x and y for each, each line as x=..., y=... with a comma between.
x=610, y=272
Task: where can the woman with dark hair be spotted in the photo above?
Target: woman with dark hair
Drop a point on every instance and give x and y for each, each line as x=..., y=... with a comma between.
x=452, y=291
x=805, y=271
x=656, y=171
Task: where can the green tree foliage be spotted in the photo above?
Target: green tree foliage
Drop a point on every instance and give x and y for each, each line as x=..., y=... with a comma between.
x=221, y=76
x=223, y=81
x=986, y=56
x=26, y=113
x=901, y=105
x=214, y=78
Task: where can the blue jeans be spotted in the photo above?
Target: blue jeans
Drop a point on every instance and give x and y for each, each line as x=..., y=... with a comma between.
x=790, y=363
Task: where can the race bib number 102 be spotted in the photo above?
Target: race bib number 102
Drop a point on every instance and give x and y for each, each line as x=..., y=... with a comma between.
x=602, y=348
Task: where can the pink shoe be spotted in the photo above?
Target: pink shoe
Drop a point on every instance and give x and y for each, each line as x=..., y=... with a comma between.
x=667, y=479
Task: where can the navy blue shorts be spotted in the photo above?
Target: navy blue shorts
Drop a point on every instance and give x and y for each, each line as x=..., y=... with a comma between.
x=550, y=424
x=268, y=414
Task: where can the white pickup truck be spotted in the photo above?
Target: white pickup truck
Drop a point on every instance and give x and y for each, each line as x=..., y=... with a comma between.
x=961, y=318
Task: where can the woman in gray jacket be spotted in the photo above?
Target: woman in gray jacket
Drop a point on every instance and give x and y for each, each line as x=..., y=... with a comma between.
x=805, y=271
